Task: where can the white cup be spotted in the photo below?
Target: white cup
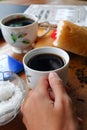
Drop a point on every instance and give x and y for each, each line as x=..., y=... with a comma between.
x=21, y=37
x=33, y=75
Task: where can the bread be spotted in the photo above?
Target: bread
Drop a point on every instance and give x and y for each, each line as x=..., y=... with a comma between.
x=71, y=37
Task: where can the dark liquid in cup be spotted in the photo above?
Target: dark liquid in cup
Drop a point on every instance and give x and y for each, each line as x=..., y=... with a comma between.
x=22, y=21
x=45, y=62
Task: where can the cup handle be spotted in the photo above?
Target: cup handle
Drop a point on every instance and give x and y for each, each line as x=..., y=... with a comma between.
x=48, y=27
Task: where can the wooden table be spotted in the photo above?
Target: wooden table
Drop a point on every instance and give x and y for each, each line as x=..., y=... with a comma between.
x=77, y=82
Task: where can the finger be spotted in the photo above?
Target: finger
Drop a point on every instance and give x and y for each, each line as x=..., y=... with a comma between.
x=43, y=85
x=26, y=123
x=56, y=85
x=26, y=99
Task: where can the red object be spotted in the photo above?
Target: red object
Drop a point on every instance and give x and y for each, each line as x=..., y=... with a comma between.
x=53, y=35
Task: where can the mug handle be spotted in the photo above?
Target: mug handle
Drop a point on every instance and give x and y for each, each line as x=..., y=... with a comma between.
x=44, y=24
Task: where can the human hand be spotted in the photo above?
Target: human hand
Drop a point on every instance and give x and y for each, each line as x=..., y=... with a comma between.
x=48, y=110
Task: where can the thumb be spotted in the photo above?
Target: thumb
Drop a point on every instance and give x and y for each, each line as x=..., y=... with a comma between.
x=56, y=85
x=42, y=86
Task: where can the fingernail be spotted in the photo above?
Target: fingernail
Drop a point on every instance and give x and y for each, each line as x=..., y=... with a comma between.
x=53, y=74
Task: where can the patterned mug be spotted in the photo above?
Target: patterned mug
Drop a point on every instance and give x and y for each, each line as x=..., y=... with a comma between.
x=21, y=30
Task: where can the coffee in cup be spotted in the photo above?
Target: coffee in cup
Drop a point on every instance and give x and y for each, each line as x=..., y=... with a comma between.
x=45, y=62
